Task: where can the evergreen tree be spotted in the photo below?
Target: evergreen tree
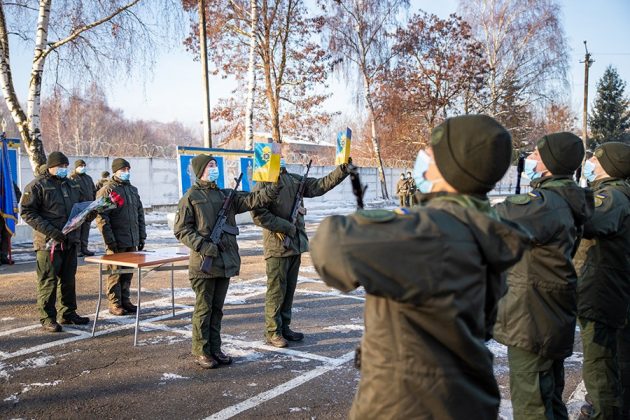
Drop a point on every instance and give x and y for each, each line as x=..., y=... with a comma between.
x=610, y=119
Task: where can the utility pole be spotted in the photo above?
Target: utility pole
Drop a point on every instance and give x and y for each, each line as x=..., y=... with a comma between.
x=587, y=64
x=203, y=50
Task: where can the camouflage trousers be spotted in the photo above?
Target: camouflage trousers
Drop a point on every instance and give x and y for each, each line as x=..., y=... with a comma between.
x=600, y=369
x=208, y=313
x=282, y=274
x=56, y=282
x=536, y=385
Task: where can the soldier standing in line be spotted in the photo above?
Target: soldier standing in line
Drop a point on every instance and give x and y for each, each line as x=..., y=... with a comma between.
x=401, y=190
x=433, y=276
x=196, y=216
x=104, y=180
x=46, y=206
x=604, y=282
x=123, y=230
x=411, y=190
x=283, y=264
x=536, y=318
x=89, y=193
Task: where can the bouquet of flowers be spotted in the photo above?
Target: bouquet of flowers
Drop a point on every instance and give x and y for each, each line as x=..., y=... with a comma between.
x=84, y=210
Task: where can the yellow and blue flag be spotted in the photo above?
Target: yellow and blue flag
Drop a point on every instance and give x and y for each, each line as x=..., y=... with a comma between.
x=343, y=146
x=9, y=204
x=266, y=162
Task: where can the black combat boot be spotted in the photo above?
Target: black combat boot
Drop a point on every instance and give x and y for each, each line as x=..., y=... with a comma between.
x=222, y=358
x=292, y=335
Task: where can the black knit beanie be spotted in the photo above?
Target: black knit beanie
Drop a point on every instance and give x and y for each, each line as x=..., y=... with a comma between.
x=562, y=153
x=57, y=159
x=614, y=158
x=199, y=164
x=119, y=163
x=472, y=152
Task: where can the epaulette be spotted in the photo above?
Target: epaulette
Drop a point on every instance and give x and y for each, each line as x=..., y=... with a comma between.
x=375, y=216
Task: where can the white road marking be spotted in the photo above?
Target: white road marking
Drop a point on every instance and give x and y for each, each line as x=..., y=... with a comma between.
x=281, y=389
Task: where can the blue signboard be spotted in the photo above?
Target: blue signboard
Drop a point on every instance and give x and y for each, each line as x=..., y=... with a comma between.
x=230, y=163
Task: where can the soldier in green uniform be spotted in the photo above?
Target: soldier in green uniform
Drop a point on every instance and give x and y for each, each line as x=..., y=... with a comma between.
x=89, y=193
x=401, y=190
x=196, y=215
x=536, y=318
x=411, y=190
x=46, y=206
x=283, y=264
x=604, y=282
x=433, y=276
x=104, y=180
x=123, y=230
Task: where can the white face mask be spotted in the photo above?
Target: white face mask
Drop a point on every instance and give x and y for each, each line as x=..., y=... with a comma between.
x=423, y=160
x=529, y=169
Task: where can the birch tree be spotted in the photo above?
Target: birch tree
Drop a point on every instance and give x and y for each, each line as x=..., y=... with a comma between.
x=251, y=73
x=359, y=39
x=83, y=38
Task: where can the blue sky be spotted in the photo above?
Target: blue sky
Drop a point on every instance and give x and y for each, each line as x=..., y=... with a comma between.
x=173, y=89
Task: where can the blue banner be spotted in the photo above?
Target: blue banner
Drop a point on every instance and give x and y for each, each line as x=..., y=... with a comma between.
x=9, y=204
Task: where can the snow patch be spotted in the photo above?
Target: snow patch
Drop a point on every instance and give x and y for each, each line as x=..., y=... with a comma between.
x=12, y=399
x=36, y=362
x=28, y=387
x=252, y=384
x=344, y=328
x=242, y=355
x=308, y=269
x=172, y=377
x=497, y=349
x=8, y=318
x=162, y=339
x=576, y=357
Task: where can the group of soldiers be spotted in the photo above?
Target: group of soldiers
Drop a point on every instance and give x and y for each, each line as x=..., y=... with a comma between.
x=46, y=206
x=406, y=190
x=442, y=277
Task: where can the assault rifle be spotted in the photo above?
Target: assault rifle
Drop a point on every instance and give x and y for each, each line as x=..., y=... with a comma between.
x=221, y=226
x=357, y=189
x=297, y=205
x=520, y=167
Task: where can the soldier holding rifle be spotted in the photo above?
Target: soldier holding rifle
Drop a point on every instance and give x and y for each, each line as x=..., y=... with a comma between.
x=284, y=241
x=199, y=210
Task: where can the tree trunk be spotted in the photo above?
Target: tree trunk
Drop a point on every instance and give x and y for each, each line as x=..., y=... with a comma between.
x=251, y=89
x=374, y=138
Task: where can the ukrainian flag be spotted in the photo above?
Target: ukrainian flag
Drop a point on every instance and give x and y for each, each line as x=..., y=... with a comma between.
x=9, y=204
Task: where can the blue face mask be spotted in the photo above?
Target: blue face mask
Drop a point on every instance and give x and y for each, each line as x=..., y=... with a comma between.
x=423, y=160
x=62, y=172
x=81, y=170
x=213, y=174
x=283, y=163
x=589, y=171
x=530, y=169
x=124, y=176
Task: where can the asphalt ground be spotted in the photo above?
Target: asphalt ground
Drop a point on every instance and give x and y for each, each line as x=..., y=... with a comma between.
x=74, y=375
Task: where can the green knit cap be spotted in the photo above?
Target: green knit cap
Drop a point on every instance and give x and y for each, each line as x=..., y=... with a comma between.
x=199, y=164
x=562, y=153
x=614, y=158
x=472, y=152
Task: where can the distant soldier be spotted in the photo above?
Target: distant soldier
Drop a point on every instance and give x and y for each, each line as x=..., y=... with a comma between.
x=536, y=317
x=604, y=283
x=104, y=179
x=411, y=190
x=123, y=230
x=432, y=275
x=46, y=206
x=196, y=216
x=283, y=264
x=89, y=193
x=401, y=190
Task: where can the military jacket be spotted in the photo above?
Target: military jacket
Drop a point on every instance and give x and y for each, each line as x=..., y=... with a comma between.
x=538, y=313
x=100, y=183
x=46, y=205
x=411, y=186
x=401, y=187
x=87, y=185
x=197, y=213
x=122, y=227
x=277, y=216
x=433, y=277
x=604, y=282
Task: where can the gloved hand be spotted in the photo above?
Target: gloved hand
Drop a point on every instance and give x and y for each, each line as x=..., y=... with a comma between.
x=140, y=245
x=58, y=236
x=346, y=167
x=292, y=231
x=209, y=249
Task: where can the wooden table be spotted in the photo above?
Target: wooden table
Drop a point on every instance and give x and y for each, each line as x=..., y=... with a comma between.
x=139, y=262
